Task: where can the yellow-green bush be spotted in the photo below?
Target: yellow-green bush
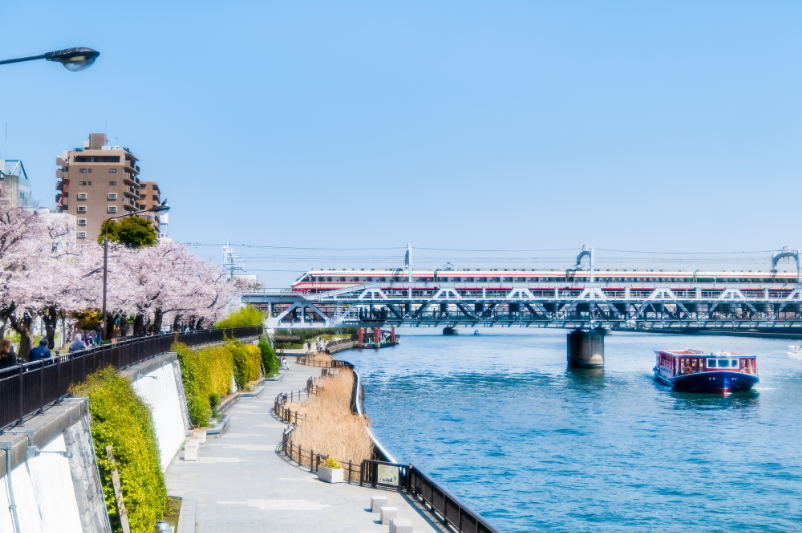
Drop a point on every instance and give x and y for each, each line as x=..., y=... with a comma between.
x=122, y=420
x=245, y=316
x=209, y=371
x=204, y=372
x=247, y=362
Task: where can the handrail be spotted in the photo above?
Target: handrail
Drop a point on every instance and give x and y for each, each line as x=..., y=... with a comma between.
x=27, y=389
x=410, y=478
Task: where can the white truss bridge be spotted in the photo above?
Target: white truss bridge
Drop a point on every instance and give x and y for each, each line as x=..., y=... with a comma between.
x=691, y=306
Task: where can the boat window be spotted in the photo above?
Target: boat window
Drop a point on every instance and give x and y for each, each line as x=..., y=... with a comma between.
x=733, y=363
x=711, y=363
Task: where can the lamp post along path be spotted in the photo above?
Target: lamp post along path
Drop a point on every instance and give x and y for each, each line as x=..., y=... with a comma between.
x=162, y=208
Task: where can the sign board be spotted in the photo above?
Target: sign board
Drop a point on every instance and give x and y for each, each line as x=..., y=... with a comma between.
x=387, y=475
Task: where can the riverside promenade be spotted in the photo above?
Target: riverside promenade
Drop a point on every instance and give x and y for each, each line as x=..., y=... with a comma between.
x=240, y=483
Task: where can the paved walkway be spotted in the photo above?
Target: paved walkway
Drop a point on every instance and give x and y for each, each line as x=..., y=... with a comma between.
x=240, y=483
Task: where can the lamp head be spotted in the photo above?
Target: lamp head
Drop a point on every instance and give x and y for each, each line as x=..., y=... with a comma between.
x=74, y=59
x=161, y=208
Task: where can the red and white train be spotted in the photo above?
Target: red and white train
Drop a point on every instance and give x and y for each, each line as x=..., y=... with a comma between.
x=324, y=280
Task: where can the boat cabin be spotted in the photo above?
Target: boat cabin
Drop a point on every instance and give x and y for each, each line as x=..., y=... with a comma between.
x=672, y=363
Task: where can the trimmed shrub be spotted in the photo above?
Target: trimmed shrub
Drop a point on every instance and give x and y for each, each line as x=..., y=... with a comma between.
x=204, y=372
x=122, y=420
x=269, y=360
x=247, y=361
x=243, y=317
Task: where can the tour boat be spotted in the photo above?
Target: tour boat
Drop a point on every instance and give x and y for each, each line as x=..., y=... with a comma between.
x=696, y=370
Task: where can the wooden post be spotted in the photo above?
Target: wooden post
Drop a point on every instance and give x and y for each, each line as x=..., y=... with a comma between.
x=118, y=494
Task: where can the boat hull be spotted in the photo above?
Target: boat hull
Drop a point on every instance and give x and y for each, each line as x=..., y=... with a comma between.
x=718, y=382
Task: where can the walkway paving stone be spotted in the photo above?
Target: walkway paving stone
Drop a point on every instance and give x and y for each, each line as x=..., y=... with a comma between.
x=240, y=483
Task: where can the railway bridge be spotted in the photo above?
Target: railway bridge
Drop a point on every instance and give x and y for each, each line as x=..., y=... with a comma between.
x=584, y=301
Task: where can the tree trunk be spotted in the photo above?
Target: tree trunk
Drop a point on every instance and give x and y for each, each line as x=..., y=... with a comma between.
x=139, y=325
x=177, y=322
x=23, y=326
x=157, y=321
x=50, y=318
x=109, y=326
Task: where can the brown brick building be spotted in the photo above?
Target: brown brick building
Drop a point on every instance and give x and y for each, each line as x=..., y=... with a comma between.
x=100, y=181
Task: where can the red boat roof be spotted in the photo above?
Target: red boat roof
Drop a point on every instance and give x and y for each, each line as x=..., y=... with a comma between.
x=697, y=351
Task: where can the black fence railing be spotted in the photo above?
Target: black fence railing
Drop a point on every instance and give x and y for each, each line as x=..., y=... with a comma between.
x=371, y=472
x=27, y=389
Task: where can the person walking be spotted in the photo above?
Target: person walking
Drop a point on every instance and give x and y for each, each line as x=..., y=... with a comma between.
x=78, y=344
x=40, y=352
x=7, y=356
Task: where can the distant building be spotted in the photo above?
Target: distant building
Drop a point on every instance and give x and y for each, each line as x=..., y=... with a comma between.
x=97, y=182
x=14, y=178
x=150, y=196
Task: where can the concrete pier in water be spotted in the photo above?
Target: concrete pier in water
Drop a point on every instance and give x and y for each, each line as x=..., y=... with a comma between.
x=586, y=349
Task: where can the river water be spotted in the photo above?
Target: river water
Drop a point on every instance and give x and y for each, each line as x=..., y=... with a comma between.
x=501, y=422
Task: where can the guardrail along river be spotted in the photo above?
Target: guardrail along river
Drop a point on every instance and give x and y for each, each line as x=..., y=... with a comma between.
x=505, y=426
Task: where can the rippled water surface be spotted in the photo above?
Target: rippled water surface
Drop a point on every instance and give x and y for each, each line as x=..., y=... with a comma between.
x=505, y=426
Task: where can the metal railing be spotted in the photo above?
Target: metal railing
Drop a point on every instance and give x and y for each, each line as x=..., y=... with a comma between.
x=27, y=389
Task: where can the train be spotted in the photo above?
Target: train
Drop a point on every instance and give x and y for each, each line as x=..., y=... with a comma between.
x=325, y=280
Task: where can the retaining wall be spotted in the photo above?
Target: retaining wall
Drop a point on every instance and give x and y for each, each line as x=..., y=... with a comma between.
x=53, y=493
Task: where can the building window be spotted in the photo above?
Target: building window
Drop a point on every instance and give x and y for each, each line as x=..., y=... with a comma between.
x=82, y=196
x=112, y=184
x=81, y=183
x=82, y=222
x=82, y=235
x=112, y=196
x=83, y=171
x=89, y=183
x=113, y=170
x=155, y=197
x=112, y=209
x=82, y=209
x=90, y=170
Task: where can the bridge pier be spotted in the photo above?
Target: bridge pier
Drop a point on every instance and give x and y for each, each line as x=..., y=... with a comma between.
x=586, y=349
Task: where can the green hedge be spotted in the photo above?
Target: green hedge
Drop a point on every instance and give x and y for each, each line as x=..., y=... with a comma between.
x=121, y=419
x=209, y=371
x=243, y=317
x=269, y=360
x=247, y=362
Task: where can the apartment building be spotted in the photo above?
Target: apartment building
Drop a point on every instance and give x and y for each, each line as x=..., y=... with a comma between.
x=96, y=182
x=150, y=196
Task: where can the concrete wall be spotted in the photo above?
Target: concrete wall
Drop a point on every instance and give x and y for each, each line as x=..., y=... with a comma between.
x=46, y=493
x=159, y=388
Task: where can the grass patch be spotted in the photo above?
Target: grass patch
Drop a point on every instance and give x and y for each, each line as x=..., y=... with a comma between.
x=122, y=420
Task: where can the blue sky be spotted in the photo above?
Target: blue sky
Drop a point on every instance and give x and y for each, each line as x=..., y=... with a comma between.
x=660, y=126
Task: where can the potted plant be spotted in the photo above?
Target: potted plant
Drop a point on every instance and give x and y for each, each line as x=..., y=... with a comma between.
x=330, y=471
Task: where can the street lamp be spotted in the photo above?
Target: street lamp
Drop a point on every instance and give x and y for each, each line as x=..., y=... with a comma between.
x=161, y=208
x=73, y=59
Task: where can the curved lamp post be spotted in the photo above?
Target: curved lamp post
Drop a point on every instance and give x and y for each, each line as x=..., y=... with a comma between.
x=161, y=208
x=73, y=59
